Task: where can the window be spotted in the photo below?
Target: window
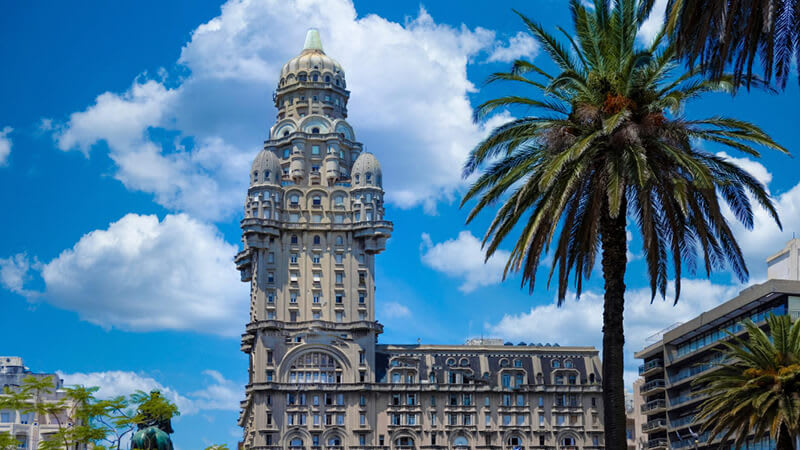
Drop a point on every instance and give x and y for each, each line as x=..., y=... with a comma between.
x=411, y=419
x=560, y=419
x=271, y=258
x=270, y=277
x=339, y=277
x=315, y=258
x=271, y=315
x=486, y=401
x=467, y=419
x=541, y=420
x=293, y=316
x=315, y=149
x=466, y=399
x=519, y=380
x=286, y=153
x=453, y=399
x=517, y=363
x=541, y=440
x=317, y=239
x=338, y=218
x=293, y=258
x=339, y=299
x=339, y=258
x=573, y=379
x=339, y=316
x=317, y=298
x=506, y=380
x=568, y=364
x=488, y=419
x=556, y=364
x=294, y=217
x=541, y=402
x=594, y=402
x=317, y=277
x=338, y=200
x=520, y=400
x=315, y=130
x=559, y=379
x=294, y=199
x=293, y=297
x=362, y=400
x=506, y=419
x=316, y=315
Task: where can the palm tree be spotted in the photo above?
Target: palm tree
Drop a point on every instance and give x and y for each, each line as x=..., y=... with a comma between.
x=757, y=389
x=716, y=33
x=612, y=145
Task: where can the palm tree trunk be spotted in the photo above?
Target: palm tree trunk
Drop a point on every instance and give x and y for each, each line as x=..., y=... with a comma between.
x=614, y=244
x=785, y=439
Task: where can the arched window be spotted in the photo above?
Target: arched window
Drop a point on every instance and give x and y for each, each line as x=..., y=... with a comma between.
x=464, y=362
x=568, y=363
x=451, y=361
x=335, y=441
x=514, y=441
x=368, y=177
x=432, y=377
x=317, y=239
x=556, y=363
x=568, y=441
x=315, y=130
x=314, y=77
x=293, y=239
x=517, y=362
x=339, y=240
x=358, y=178
x=285, y=133
x=266, y=175
x=296, y=442
x=404, y=442
x=503, y=362
x=461, y=442
x=315, y=367
x=591, y=378
x=327, y=78
x=255, y=175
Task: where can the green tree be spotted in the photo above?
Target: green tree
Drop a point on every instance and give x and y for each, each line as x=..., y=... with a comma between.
x=716, y=34
x=612, y=144
x=757, y=389
x=217, y=447
x=8, y=442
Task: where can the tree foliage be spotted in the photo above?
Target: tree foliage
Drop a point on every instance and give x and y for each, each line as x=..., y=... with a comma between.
x=718, y=34
x=756, y=391
x=611, y=143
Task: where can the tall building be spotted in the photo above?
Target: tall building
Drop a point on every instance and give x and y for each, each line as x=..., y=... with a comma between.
x=314, y=223
x=689, y=349
x=29, y=428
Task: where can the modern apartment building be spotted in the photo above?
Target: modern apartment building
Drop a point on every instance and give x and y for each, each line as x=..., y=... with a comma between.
x=28, y=428
x=671, y=364
x=314, y=223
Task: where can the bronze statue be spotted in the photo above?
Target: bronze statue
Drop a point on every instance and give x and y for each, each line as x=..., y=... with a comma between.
x=152, y=431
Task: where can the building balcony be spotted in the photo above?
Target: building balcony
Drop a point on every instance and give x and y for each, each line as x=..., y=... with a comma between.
x=651, y=367
x=654, y=425
x=654, y=407
x=657, y=444
x=651, y=387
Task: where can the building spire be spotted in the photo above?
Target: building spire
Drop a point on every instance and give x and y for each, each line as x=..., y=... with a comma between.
x=313, y=42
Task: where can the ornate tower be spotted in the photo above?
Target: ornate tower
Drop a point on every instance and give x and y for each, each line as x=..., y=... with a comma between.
x=312, y=227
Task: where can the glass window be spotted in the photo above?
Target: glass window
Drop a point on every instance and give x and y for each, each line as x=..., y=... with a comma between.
x=315, y=149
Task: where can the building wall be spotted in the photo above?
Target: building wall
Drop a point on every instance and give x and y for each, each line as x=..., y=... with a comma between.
x=313, y=226
x=670, y=365
x=28, y=428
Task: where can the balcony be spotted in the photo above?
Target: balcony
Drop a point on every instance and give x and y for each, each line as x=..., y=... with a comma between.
x=654, y=425
x=657, y=443
x=650, y=367
x=654, y=407
x=652, y=387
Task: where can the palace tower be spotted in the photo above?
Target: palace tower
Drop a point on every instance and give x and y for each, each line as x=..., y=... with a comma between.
x=313, y=224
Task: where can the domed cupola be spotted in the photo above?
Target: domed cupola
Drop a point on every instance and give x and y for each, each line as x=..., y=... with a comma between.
x=312, y=64
x=366, y=171
x=266, y=169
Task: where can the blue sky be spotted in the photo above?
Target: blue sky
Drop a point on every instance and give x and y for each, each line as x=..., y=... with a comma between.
x=126, y=133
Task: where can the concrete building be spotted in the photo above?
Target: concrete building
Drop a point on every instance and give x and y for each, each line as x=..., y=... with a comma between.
x=314, y=223
x=634, y=417
x=28, y=428
x=687, y=350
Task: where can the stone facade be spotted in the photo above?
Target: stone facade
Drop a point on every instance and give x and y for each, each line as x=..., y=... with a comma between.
x=29, y=428
x=317, y=377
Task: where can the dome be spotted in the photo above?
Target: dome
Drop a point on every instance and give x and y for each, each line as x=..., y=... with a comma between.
x=266, y=169
x=367, y=171
x=313, y=59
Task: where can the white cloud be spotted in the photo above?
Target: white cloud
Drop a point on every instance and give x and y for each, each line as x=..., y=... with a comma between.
x=463, y=258
x=522, y=45
x=5, y=145
x=409, y=103
x=394, y=310
x=219, y=393
x=580, y=322
x=14, y=272
x=143, y=274
x=765, y=239
x=650, y=28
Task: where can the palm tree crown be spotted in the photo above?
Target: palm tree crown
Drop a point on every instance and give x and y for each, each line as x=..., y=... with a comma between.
x=716, y=33
x=757, y=390
x=612, y=144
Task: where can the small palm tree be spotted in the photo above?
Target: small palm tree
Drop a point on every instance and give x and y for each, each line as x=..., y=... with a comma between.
x=719, y=33
x=757, y=390
x=612, y=144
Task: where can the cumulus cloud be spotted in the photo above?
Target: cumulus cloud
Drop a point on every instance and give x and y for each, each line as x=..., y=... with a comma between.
x=521, y=45
x=5, y=145
x=463, y=258
x=579, y=322
x=650, y=28
x=218, y=394
x=15, y=271
x=394, y=310
x=409, y=103
x=143, y=274
x=765, y=239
